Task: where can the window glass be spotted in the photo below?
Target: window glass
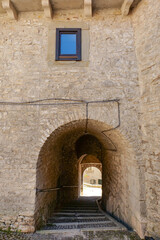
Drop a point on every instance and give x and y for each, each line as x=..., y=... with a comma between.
x=100, y=181
x=68, y=43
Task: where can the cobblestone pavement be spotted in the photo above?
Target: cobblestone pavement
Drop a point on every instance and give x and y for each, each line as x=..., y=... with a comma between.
x=13, y=236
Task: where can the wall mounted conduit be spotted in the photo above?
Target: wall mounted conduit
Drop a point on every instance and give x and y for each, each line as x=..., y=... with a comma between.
x=68, y=101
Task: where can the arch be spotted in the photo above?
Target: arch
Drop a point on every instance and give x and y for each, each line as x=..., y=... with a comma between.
x=84, y=162
x=92, y=177
x=88, y=144
x=58, y=165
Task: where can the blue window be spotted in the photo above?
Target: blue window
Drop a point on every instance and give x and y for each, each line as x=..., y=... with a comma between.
x=68, y=44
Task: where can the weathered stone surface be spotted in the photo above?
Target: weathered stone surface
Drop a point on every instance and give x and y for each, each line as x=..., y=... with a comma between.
x=147, y=42
x=110, y=235
x=88, y=8
x=48, y=11
x=37, y=148
x=10, y=8
x=126, y=7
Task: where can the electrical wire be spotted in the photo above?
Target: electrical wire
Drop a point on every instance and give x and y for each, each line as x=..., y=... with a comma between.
x=70, y=101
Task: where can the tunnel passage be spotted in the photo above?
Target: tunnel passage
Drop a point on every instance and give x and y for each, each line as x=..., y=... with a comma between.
x=88, y=144
x=59, y=169
x=91, y=182
x=87, y=161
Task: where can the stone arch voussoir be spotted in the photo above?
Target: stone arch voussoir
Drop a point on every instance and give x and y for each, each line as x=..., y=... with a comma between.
x=121, y=179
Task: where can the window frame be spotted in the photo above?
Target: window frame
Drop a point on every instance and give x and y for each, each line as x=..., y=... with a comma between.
x=68, y=57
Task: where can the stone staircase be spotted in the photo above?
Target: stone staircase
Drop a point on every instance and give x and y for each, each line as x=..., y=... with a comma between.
x=83, y=219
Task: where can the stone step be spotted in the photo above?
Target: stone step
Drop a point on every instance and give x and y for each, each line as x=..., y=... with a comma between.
x=78, y=211
x=76, y=223
x=81, y=205
x=82, y=226
x=79, y=208
x=78, y=214
x=88, y=234
x=84, y=221
x=78, y=219
x=51, y=230
x=84, y=207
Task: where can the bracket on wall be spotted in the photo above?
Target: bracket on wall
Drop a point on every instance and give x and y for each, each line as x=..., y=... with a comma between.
x=10, y=8
x=88, y=8
x=47, y=7
x=126, y=7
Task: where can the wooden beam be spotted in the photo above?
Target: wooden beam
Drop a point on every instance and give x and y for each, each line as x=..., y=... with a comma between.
x=11, y=10
x=48, y=11
x=88, y=8
x=126, y=7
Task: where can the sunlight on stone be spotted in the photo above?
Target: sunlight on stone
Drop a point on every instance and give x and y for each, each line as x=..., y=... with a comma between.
x=92, y=182
x=91, y=191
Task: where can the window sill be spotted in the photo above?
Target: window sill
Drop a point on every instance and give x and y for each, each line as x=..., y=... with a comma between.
x=68, y=63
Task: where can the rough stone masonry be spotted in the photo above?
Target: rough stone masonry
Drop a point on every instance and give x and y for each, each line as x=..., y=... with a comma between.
x=46, y=106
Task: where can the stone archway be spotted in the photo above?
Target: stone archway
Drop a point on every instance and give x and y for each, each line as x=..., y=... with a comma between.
x=91, y=180
x=86, y=161
x=58, y=170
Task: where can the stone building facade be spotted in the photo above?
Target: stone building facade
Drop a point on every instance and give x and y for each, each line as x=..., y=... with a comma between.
x=52, y=113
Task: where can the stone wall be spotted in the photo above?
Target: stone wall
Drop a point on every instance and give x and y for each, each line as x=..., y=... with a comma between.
x=146, y=23
x=28, y=146
x=122, y=188
x=47, y=177
x=120, y=178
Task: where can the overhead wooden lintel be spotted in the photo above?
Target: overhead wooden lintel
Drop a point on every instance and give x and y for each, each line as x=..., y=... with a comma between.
x=126, y=7
x=48, y=11
x=10, y=8
x=88, y=8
